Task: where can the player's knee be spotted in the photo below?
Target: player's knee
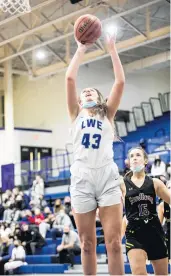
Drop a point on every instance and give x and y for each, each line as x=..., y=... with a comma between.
x=114, y=245
x=137, y=269
x=87, y=246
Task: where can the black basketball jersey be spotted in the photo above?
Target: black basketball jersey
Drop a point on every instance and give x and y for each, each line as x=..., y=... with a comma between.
x=167, y=215
x=140, y=203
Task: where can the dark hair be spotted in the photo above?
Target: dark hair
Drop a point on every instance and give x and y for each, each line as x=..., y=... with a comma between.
x=101, y=107
x=130, y=173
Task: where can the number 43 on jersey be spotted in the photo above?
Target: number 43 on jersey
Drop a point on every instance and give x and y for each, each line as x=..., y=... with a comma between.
x=96, y=141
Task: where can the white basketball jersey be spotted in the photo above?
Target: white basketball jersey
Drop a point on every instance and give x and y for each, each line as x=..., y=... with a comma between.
x=92, y=139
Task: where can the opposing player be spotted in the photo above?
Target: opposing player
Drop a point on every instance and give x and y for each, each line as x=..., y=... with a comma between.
x=164, y=214
x=144, y=233
x=94, y=175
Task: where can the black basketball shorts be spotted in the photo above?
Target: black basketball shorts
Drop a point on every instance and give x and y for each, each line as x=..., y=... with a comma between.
x=149, y=237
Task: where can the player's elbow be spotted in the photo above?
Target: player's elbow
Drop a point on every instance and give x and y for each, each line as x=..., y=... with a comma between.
x=69, y=78
x=120, y=83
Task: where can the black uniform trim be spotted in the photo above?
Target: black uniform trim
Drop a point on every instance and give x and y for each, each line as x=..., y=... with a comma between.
x=167, y=233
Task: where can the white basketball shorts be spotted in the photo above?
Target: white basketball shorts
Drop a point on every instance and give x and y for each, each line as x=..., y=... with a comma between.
x=91, y=188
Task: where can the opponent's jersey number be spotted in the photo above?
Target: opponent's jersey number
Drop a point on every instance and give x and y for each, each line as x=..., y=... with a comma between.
x=143, y=210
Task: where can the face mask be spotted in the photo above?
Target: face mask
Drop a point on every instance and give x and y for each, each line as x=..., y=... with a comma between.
x=16, y=245
x=57, y=205
x=137, y=168
x=89, y=104
x=66, y=233
x=68, y=204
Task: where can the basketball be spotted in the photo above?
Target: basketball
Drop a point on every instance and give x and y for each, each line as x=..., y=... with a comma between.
x=87, y=29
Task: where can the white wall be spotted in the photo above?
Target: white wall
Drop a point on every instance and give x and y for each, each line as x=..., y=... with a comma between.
x=140, y=86
x=41, y=103
x=23, y=138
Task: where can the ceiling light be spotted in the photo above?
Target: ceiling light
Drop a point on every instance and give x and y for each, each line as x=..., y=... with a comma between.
x=40, y=55
x=111, y=29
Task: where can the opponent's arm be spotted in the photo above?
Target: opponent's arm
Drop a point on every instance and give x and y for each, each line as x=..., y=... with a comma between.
x=124, y=224
x=160, y=210
x=161, y=190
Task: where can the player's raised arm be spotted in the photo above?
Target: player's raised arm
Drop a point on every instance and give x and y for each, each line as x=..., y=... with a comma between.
x=70, y=79
x=118, y=87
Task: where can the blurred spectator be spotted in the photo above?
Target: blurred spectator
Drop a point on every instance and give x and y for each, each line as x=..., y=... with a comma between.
x=5, y=252
x=69, y=246
x=1, y=211
x=68, y=209
x=168, y=171
x=38, y=218
x=26, y=215
x=17, y=258
x=127, y=166
x=31, y=239
x=61, y=220
x=46, y=225
x=43, y=203
x=25, y=198
x=58, y=206
x=67, y=205
x=33, y=204
x=15, y=191
x=37, y=189
x=17, y=232
x=9, y=210
x=158, y=167
x=19, y=205
x=26, y=237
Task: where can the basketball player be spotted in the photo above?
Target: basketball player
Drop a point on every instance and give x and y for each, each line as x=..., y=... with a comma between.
x=94, y=175
x=144, y=233
x=164, y=213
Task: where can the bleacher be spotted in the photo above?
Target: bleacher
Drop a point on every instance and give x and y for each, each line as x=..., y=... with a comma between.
x=56, y=174
x=45, y=259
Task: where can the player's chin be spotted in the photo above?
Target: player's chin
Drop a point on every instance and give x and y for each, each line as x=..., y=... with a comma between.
x=89, y=99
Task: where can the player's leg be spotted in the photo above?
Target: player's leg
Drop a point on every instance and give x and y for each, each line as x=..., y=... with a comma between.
x=158, y=254
x=137, y=259
x=110, y=212
x=85, y=223
x=111, y=219
x=160, y=266
x=84, y=210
